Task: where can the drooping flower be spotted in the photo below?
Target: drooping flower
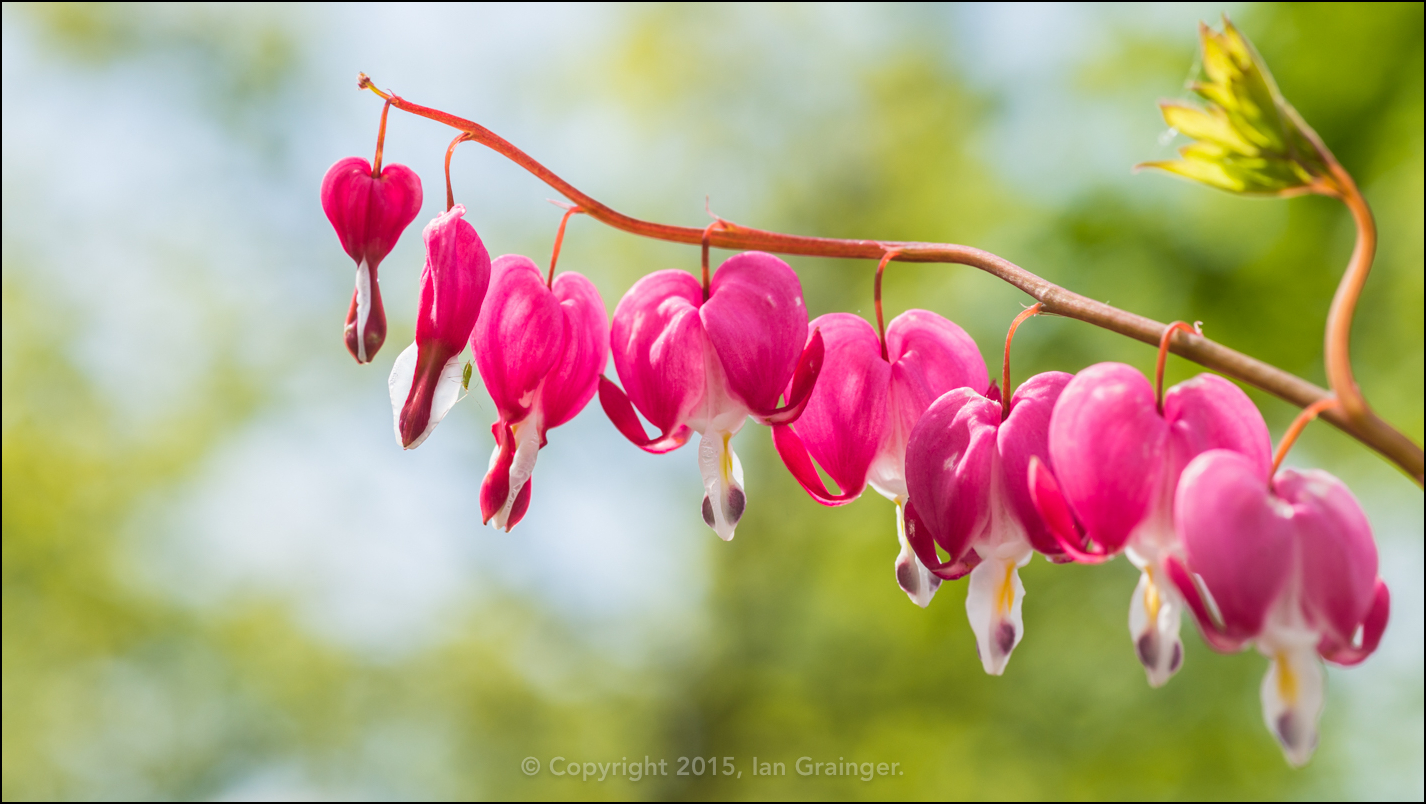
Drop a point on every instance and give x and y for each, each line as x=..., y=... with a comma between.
x=1117, y=456
x=967, y=470
x=540, y=350
x=691, y=364
x=369, y=213
x=864, y=406
x=426, y=379
x=1289, y=566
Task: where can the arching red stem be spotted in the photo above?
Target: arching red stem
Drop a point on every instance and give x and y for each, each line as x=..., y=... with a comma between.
x=1177, y=326
x=380, y=140
x=450, y=194
x=1294, y=430
x=1370, y=430
x=1029, y=312
x=876, y=296
x=559, y=240
x=707, y=237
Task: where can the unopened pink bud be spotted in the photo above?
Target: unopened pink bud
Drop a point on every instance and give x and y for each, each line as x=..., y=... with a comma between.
x=369, y=213
x=426, y=380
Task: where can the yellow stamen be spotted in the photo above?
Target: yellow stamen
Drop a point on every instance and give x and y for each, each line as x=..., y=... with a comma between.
x=1286, y=681
x=1005, y=601
x=1151, y=596
x=727, y=457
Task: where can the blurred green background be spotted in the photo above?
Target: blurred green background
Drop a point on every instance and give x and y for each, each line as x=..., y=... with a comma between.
x=222, y=579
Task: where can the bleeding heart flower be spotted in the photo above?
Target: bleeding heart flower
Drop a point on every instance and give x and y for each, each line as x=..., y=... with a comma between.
x=864, y=406
x=1289, y=566
x=967, y=473
x=695, y=365
x=369, y=213
x=427, y=378
x=540, y=350
x=1117, y=457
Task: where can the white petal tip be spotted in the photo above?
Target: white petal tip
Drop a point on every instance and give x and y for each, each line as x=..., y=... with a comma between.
x=1160, y=657
x=1293, y=693
x=994, y=599
x=995, y=647
x=919, y=583
x=1154, y=621
x=724, y=500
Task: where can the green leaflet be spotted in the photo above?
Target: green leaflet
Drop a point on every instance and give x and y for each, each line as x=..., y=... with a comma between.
x=1249, y=139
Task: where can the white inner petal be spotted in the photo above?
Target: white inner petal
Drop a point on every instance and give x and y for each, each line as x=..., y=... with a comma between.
x=887, y=473
x=718, y=409
x=724, y=498
x=527, y=449
x=449, y=391
x=1155, y=613
x=1154, y=537
x=1292, y=694
x=915, y=580
x=403, y=373
x=994, y=598
x=363, y=293
x=995, y=594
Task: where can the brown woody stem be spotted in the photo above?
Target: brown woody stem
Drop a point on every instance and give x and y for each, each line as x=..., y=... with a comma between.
x=1380, y=436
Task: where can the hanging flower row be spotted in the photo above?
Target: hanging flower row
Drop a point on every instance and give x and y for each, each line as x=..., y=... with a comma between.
x=982, y=475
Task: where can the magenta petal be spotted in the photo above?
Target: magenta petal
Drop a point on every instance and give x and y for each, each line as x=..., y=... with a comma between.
x=1339, y=558
x=929, y=356
x=799, y=390
x=519, y=336
x=368, y=213
x=521, y=504
x=1024, y=435
x=454, y=281
x=617, y=407
x=795, y=457
x=757, y=323
x=1055, y=512
x=1236, y=537
x=1183, y=581
x=575, y=377
x=658, y=344
x=1107, y=449
x=846, y=414
x=1208, y=412
x=495, y=489
x=1345, y=653
x=949, y=459
x=918, y=535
